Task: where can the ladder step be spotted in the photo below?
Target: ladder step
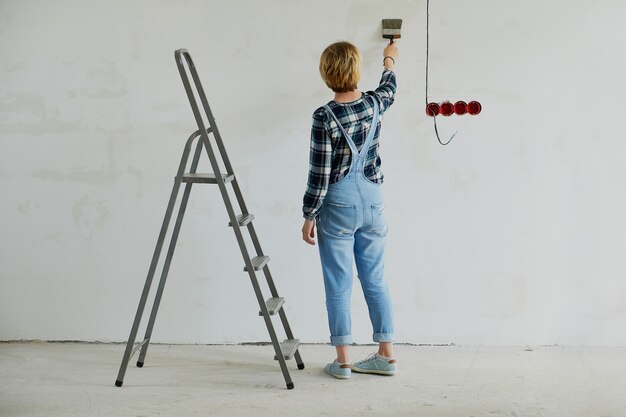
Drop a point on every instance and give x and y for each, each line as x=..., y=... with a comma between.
x=273, y=305
x=289, y=348
x=243, y=220
x=206, y=178
x=258, y=262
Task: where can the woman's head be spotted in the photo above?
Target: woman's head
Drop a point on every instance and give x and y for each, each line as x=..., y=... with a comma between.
x=340, y=67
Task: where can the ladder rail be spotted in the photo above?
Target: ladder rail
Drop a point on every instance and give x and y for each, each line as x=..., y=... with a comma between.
x=170, y=252
x=179, y=55
x=153, y=263
x=235, y=183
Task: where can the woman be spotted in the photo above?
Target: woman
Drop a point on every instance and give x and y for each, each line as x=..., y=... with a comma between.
x=344, y=200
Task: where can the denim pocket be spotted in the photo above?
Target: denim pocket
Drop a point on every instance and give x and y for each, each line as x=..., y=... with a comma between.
x=379, y=222
x=338, y=219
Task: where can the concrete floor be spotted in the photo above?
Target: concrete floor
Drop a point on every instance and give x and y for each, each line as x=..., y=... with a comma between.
x=77, y=379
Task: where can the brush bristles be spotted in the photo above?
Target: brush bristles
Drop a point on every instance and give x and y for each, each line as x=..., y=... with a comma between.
x=392, y=24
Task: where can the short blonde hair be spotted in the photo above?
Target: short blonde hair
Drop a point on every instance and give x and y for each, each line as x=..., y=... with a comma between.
x=340, y=67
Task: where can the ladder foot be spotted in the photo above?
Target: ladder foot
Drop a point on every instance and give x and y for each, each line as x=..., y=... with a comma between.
x=118, y=383
x=139, y=364
x=300, y=366
x=290, y=385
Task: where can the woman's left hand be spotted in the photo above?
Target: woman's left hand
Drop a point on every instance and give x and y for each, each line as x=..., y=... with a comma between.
x=308, y=232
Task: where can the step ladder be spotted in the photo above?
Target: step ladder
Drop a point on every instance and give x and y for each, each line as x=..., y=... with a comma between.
x=267, y=308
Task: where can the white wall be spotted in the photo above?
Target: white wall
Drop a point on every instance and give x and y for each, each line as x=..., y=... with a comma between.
x=512, y=234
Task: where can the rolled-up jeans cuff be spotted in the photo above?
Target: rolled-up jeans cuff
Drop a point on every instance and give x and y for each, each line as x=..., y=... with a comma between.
x=341, y=340
x=384, y=337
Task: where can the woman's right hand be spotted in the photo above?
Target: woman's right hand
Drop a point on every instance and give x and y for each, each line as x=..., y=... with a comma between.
x=392, y=51
x=308, y=232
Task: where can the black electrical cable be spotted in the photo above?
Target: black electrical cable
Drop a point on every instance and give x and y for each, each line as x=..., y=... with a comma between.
x=427, y=45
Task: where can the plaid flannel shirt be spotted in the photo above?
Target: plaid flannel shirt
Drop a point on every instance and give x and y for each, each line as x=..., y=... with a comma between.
x=330, y=154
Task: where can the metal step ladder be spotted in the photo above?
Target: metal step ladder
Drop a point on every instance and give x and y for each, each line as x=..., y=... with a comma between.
x=267, y=308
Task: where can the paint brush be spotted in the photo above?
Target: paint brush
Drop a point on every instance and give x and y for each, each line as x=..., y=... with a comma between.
x=391, y=29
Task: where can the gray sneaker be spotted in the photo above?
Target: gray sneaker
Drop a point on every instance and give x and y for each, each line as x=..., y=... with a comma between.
x=338, y=370
x=375, y=364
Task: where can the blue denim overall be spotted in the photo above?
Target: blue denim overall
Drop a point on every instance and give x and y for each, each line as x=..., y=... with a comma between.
x=351, y=225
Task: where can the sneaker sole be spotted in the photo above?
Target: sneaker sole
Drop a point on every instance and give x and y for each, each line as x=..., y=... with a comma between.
x=373, y=371
x=339, y=376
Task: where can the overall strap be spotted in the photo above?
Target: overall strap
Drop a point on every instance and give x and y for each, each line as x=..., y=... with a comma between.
x=370, y=134
x=345, y=134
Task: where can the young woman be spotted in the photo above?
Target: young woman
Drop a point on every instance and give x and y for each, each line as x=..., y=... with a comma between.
x=344, y=200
